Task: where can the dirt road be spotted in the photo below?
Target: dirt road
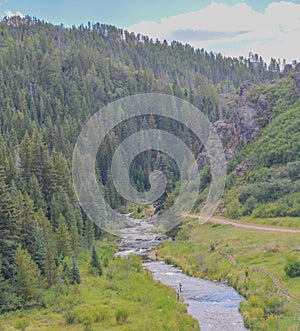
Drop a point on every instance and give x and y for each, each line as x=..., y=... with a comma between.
x=246, y=225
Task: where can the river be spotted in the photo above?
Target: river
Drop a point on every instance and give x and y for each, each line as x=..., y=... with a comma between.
x=214, y=305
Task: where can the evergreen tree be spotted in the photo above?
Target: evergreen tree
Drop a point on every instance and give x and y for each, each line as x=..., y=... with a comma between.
x=25, y=209
x=95, y=263
x=54, y=211
x=89, y=234
x=46, y=228
x=75, y=239
x=39, y=247
x=8, y=228
x=50, y=269
x=63, y=240
x=26, y=154
x=48, y=182
x=3, y=288
x=36, y=194
x=74, y=272
x=63, y=175
x=8, y=298
x=27, y=276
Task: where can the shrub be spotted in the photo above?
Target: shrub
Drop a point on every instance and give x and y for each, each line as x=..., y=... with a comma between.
x=212, y=247
x=235, y=209
x=183, y=234
x=86, y=319
x=70, y=317
x=100, y=314
x=121, y=316
x=292, y=267
x=22, y=323
x=105, y=262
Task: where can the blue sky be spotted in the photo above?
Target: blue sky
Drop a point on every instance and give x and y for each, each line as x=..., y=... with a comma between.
x=122, y=13
x=231, y=27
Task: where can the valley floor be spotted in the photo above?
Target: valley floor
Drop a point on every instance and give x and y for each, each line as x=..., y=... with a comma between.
x=124, y=298
x=250, y=260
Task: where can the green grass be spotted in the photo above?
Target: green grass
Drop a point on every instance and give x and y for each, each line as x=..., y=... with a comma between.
x=240, y=256
x=285, y=222
x=100, y=303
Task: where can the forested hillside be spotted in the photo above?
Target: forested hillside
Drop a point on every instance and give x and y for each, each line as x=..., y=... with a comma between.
x=264, y=176
x=52, y=79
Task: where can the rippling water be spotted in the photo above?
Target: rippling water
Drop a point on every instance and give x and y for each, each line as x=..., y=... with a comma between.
x=214, y=305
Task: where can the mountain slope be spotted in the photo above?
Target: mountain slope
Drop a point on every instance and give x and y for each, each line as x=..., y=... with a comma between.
x=265, y=181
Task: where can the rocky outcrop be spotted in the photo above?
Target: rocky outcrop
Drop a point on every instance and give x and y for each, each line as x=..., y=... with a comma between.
x=296, y=77
x=241, y=126
x=242, y=117
x=226, y=132
x=245, y=122
x=287, y=69
x=262, y=104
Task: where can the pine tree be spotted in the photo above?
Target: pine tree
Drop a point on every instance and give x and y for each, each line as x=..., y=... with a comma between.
x=75, y=239
x=63, y=240
x=3, y=288
x=36, y=194
x=89, y=234
x=54, y=211
x=50, y=269
x=39, y=247
x=63, y=175
x=66, y=208
x=26, y=154
x=74, y=272
x=48, y=176
x=46, y=228
x=95, y=263
x=38, y=148
x=25, y=209
x=8, y=228
x=27, y=276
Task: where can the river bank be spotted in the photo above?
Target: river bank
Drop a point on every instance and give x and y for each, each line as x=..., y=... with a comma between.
x=214, y=305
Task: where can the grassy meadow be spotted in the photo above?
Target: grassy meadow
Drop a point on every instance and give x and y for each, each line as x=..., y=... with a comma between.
x=124, y=298
x=251, y=261
x=284, y=222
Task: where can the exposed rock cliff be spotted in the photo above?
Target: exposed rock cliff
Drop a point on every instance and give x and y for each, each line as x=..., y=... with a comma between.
x=242, y=117
x=296, y=77
x=240, y=127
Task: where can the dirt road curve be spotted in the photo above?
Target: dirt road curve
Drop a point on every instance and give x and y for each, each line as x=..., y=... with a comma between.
x=248, y=226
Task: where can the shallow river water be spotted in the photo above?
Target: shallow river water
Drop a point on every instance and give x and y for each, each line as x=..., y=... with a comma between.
x=214, y=305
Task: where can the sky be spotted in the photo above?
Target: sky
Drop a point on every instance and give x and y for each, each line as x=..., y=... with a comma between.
x=231, y=27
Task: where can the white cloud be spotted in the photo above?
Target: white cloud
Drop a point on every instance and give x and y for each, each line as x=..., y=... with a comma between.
x=9, y=13
x=235, y=30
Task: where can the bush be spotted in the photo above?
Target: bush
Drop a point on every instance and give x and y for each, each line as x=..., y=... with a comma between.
x=121, y=316
x=70, y=317
x=105, y=262
x=235, y=209
x=292, y=267
x=22, y=323
x=86, y=319
x=183, y=234
x=101, y=314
